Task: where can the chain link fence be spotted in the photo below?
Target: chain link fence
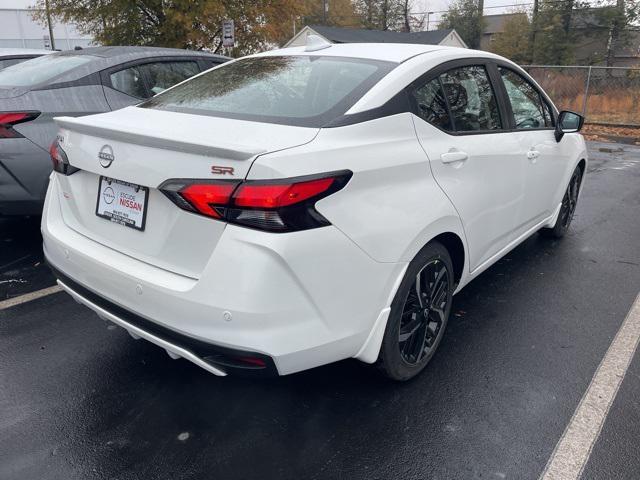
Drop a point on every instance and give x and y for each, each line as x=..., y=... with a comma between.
x=604, y=95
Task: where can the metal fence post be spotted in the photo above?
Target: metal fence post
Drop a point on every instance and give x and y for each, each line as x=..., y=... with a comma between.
x=586, y=94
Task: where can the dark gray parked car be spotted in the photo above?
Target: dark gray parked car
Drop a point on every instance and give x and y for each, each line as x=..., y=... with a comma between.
x=73, y=83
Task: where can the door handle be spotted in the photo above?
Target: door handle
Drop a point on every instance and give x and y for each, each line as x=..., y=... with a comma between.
x=533, y=154
x=451, y=157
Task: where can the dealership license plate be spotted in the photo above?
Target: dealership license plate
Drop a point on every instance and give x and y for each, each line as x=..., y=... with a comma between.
x=122, y=202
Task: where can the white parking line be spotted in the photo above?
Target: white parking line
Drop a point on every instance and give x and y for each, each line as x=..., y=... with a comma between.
x=574, y=447
x=11, y=302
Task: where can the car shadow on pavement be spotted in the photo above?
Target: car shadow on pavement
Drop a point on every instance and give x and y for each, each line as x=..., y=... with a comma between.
x=22, y=267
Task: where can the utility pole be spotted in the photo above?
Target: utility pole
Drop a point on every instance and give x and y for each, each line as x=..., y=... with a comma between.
x=534, y=28
x=566, y=16
x=480, y=22
x=428, y=15
x=48, y=13
x=615, y=32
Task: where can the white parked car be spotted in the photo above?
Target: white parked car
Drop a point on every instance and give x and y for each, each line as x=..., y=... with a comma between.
x=302, y=206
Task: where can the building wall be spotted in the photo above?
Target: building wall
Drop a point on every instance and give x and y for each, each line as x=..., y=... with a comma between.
x=453, y=40
x=19, y=30
x=300, y=40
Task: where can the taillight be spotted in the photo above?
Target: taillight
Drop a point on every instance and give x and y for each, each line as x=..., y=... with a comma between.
x=279, y=194
x=208, y=198
x=60, y=161
x=9, y=119
x=275, y=205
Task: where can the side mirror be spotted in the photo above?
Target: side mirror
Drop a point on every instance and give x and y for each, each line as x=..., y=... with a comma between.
x=568, y=122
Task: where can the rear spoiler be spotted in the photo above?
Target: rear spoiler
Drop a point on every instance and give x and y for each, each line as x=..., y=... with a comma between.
x=147, y=139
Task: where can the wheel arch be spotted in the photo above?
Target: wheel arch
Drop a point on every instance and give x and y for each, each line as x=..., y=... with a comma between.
x=450, y=233
x=582, y=164
x=454, y=241
x=455, y=246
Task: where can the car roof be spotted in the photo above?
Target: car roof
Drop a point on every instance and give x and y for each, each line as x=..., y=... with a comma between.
x=18, y=52
x=107, y=57
x=115, y=54
x=390, y=52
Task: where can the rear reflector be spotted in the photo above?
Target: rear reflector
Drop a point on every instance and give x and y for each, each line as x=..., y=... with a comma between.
x=258, y=362
x=276, y=206
x=9, y=119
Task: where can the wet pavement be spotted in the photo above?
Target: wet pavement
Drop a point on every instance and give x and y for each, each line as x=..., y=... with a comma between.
x=80, y=399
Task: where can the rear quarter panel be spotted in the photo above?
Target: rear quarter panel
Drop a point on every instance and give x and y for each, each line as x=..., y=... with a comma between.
x=392, y=206
x=74, y=101
x=30, y=163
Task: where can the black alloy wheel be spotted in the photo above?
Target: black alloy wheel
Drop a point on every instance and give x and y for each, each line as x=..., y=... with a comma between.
x=568, y=207
x=419, y=314
x=423, y=315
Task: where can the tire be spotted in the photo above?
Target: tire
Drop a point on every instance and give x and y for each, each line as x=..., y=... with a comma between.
x=403, y=354
x=568, y=208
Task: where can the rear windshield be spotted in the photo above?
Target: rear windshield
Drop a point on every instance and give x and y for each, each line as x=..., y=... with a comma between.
x=307, y=91
x=38, y=70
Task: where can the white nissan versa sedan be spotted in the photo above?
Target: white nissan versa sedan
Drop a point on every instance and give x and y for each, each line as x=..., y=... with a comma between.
x=301, y=206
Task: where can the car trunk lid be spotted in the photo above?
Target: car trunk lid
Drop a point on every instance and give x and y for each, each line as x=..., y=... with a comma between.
x=146, y=147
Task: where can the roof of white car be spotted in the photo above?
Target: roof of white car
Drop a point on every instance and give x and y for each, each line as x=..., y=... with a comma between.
x=10, y=52
x=390, y=52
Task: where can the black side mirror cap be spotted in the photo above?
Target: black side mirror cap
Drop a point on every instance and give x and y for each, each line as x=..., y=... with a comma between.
x=568, y=122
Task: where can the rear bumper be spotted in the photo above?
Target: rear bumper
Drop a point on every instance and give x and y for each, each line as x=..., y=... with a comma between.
x=298, y=300
x=215, y=359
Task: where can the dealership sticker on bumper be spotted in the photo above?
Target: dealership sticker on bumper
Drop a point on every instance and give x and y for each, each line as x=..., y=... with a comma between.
x=122, y=202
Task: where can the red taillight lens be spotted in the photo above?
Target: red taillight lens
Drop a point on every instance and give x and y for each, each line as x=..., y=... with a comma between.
x=59, y=160
x=9, y=119
x=12, y=118
x=56, y=157
x=209, y=199
x=279, y=195
x=276, y=206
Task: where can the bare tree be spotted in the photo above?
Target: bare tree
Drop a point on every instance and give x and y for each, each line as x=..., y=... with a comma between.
x=382, y=14
x=410, y=22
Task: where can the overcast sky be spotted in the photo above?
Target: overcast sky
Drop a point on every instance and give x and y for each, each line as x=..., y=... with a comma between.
x=16, y=3
x=491, y=7
x=420, y=6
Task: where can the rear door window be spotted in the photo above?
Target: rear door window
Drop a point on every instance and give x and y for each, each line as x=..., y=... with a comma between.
x=130, y=81
x=162, y=75
x=432, y=106
x=148, y=79
x=472, y=102
x=461, y=100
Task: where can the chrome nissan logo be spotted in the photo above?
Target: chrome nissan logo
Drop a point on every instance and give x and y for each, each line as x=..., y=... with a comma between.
x=106, y=157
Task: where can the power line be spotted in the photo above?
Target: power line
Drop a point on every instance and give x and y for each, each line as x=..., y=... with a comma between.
x=524, y=4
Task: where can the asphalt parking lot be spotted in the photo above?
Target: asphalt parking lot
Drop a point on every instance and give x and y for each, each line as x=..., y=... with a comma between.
x=80, y=399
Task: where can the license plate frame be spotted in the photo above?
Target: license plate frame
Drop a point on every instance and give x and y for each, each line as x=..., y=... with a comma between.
x=105, y=210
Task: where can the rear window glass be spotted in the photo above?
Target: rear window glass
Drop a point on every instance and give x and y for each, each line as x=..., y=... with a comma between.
x=294, y=90
x=7, y=62
x=39, y=70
